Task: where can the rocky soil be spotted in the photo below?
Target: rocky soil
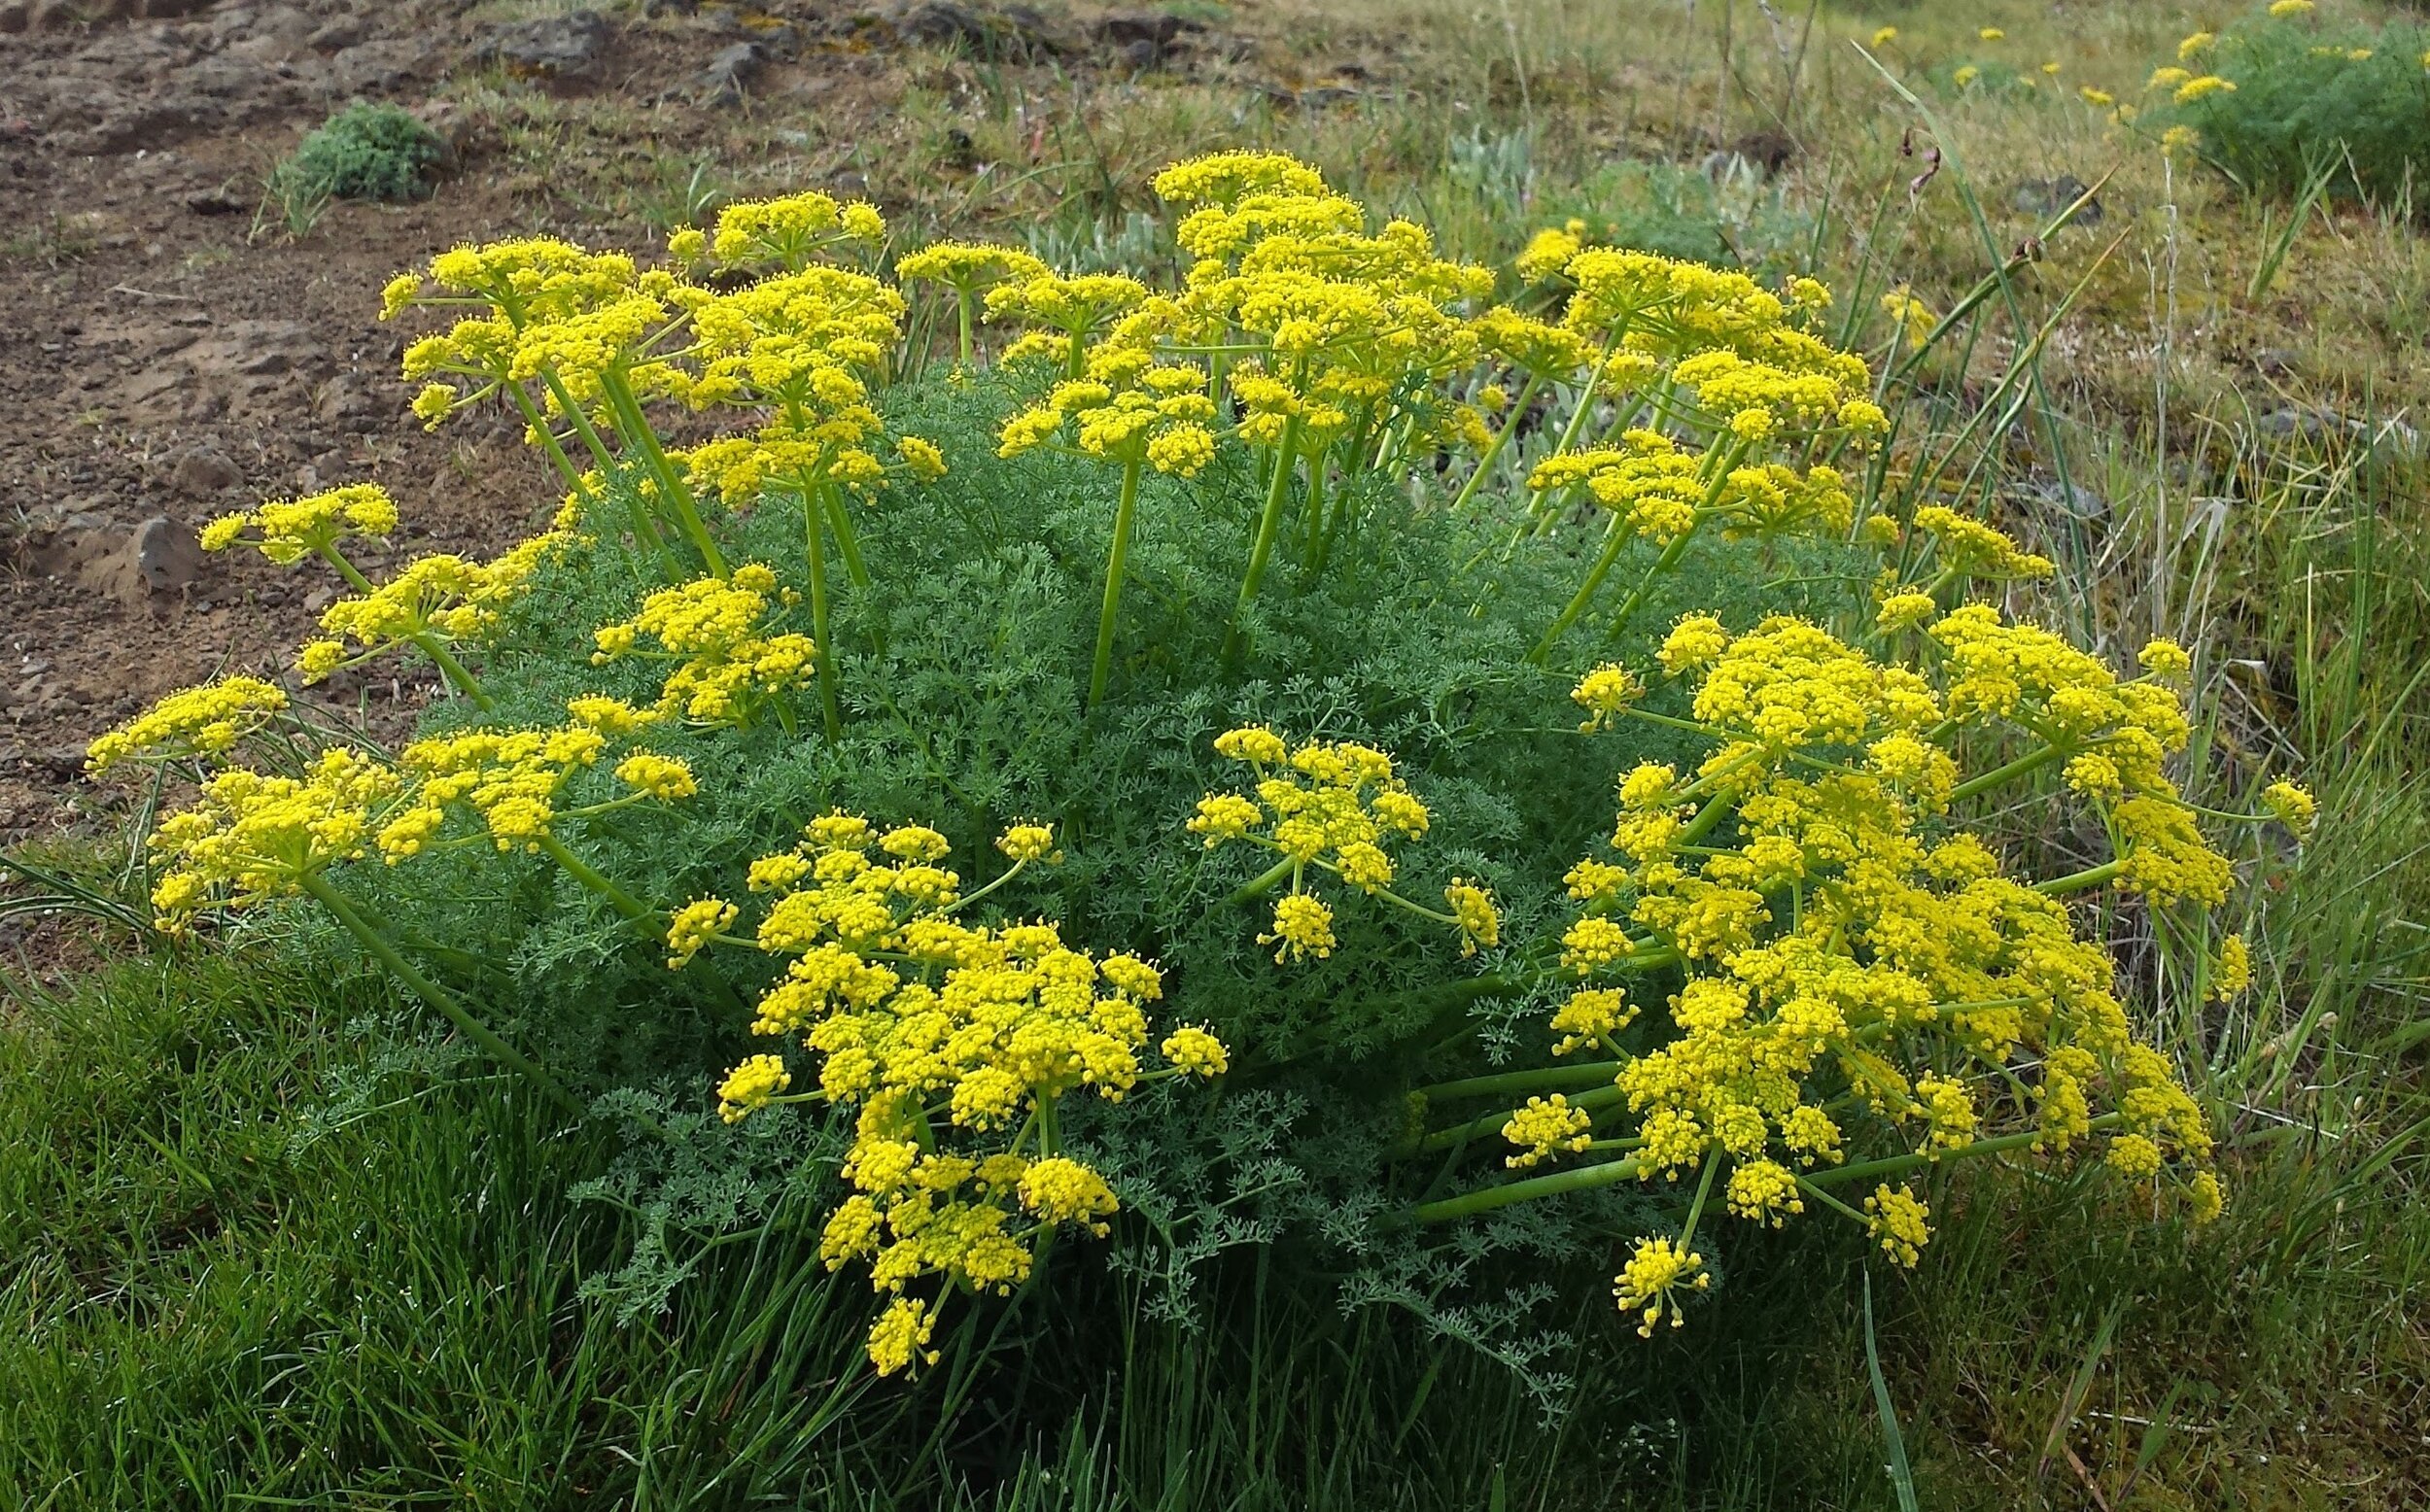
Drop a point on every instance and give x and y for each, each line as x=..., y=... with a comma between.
x=166, y=356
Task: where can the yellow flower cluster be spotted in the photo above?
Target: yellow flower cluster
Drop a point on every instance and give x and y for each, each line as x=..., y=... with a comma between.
x=1544, y=1127
x=1849, y=951
x=788, y=232
x=801, y=350
x=510, y=780
x=727, y=665
x=250, y=837
x=436, y=598
x=289, y=529
x=956, y=1044
x=1332, y=806
x=553, y=311
x=1158, y=415
x=202, y=722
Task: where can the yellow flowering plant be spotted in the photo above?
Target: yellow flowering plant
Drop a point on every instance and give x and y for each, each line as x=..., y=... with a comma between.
x=1475, y=884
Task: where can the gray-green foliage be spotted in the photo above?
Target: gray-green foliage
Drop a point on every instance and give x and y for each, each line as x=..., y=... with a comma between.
x=964, y=670
x=367, y=151
x=2349, y=102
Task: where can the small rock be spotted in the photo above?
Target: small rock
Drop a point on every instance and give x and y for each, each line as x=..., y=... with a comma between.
x=1137, y=34
x=2310, y=424
x=337, y=37
x=1016, y=32
x=215, y=202
x=2072, y=499
x=730, y=72
x=203, y=472
x=160, y=558
x=2046, y=197
x=1768, y=151
x=346, y=401
x=2276, y=363
x=569, y=47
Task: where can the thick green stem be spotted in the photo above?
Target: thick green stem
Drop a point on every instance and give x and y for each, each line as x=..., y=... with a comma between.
x=454, y=670
x=1501, y=439
x=847, y=539
x=547, y=434
x=582, y=871
x=1269, y=523
x=1259, y=885
x=1540, y=1080
x=2032, y=761
x=2081, y=882
x=1704, y=1190
x=1615, y=536
x=1312, y=512
x=815, y=536
x=670, y=489
x=1899, y=1165
x=1585, y=1178
x=1117, y=562
x=645, y=528
x=1586, y=397
x=439, y=998
x=1636, y=600
x=1493, y=1122
x=961, y=312
x=429, y=644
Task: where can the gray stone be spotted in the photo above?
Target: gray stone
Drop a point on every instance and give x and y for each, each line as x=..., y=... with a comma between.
x=730, y=72
x=160, y=559
x=203, y=472
x=569, y=47
x=2046, y=197
x=2311, y=423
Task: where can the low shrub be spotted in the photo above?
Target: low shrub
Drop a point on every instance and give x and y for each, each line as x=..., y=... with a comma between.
x=367, y=151
x=1162, y=774
x=2279, y=99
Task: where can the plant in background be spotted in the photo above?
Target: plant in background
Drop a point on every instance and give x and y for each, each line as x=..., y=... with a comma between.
x=2281, y=99
x=1163, y=526
x=368, y=150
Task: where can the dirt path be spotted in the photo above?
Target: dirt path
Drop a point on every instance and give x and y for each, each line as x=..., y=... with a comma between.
x=164, y=359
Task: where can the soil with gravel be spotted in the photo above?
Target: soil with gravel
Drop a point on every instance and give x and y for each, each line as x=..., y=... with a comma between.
x=166, y=358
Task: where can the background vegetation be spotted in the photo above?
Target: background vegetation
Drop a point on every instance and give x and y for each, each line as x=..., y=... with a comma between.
x=262, y=1242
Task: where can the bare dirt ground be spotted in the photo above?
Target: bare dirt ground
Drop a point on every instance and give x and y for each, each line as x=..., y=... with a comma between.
x=167, y=356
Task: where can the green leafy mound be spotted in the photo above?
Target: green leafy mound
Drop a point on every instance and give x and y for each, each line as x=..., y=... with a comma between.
x=368, y=150
x=2347, y=102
